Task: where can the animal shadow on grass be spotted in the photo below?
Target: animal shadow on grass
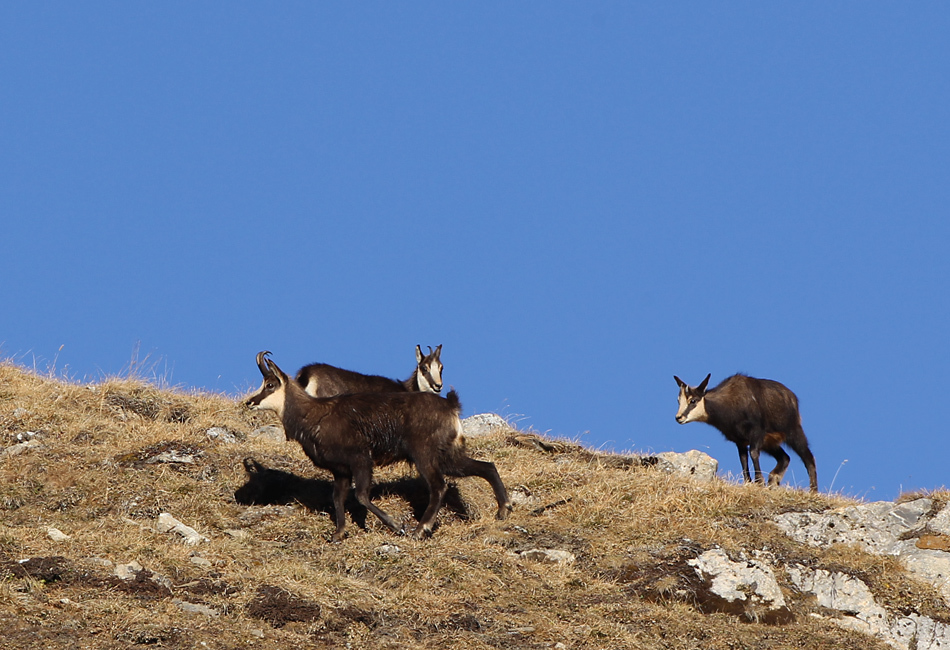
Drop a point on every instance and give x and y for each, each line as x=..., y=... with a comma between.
x=267, y=487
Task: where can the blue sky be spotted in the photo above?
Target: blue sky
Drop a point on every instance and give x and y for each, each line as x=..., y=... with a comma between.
x=578, y=200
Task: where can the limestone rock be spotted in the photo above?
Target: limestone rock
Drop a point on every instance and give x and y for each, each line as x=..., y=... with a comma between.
x=483, y=424
x=746, y=587
x=168, y=524
x=549, y=556
x=860, y=612
x=694, y=463
x=269, y=433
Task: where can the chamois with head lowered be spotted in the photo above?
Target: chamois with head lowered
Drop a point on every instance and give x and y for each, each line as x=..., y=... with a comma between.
x=350, y=434
x=757, y=415
x=324, y=380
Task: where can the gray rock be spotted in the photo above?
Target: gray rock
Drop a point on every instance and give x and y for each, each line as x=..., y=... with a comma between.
x=388, y=549
x=194, y=608
x=127, y=571
x=483, y=424
x=746, y=587
x=17, y=449
x=168, y=524
x=57, y=535
x=694, y=463
x=940, y=524
x=221, y=434
x=269, y=433
x=878, y=528
x=860, y=611
x=172, y=456
x=874, y=526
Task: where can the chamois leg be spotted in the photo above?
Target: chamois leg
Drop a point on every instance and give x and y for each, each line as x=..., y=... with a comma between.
x=363, y=481
x=799, y=443
x=341, y=486
x=744, y=461
x=776, y=475
x=754, y=453
x=487, y=470
x=437, y=489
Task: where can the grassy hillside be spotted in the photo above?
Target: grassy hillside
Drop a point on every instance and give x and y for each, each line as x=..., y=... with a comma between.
x=107, y=459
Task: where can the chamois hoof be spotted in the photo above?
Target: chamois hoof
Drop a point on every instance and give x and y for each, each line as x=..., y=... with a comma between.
x=503, y=512
x=421, y=532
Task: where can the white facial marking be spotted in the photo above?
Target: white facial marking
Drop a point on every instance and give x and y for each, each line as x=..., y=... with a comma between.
x=696, y=414
x=435, y=370
x=274, y=401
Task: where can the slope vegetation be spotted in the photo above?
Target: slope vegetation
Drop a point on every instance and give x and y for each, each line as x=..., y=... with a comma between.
x=87, y=470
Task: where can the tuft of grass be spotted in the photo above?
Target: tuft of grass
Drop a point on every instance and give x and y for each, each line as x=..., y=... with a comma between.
x=272, y=580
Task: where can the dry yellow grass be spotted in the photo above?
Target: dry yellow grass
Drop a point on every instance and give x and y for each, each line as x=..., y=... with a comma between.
x=274, y=581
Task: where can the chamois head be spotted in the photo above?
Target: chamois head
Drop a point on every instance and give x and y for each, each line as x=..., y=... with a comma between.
x=692, y=401
x=429, y=370
x=270, y=396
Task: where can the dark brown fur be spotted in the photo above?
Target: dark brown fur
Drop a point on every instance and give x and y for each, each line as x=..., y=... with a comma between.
x=757, y=415
x=350, y=434
x=333, y=381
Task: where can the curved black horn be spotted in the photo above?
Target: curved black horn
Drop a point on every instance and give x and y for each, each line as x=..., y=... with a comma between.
x=260, y=362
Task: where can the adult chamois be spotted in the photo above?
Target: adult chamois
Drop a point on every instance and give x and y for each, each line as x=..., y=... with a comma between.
x=324, y=380
x=757, y=415
x=350, y=434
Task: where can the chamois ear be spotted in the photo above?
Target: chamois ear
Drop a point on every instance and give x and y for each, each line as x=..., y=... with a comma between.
x=438, y=350
x=276, y=371
x=419, y=354
x=679, y=382
x=702, y=387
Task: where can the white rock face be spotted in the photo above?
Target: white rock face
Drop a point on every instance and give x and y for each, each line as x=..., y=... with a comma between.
x=877, y=527
x=694, y=463
x=860, y=612
x=750, y=583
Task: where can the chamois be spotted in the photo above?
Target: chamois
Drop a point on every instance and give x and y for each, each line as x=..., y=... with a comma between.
x=350, y=434
x=324, y=380
x=757, y=415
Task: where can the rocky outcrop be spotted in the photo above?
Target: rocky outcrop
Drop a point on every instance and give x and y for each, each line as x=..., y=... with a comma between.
x=746, y=587
x=859, y=610
x=911, y=531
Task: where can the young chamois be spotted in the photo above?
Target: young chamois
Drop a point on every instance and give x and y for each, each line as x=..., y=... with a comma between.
x=757, y=415
x=350, y=434
x=324, y=380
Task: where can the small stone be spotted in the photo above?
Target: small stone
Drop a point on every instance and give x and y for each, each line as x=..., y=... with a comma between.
x=172, y=456
x=168, y=524
x=200, y=561
x=194, y=608
x=221, y=435
x=57, y=535
x=388, y=549
x=269, y=433
x=127, y=571
x=549, y=556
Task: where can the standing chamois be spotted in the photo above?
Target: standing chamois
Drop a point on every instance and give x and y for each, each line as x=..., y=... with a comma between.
x=350, y=434
x=757, y=415
x=324, y=380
